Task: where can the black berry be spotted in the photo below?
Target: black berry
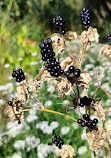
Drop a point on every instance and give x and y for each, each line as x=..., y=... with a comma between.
x=10, y=103
x=86, y=117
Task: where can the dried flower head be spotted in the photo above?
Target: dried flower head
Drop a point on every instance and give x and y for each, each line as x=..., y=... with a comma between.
x=89, y=36
x=58, y=43
x=96, y=138
x=13, y=111
x=44, y=75
x=33, y=84
x=106, y=50
x=22, y=92
x=98, y=109
x=66, y=151
x=70, y=35
x=84, y=80
x=66, y=63
x=64, y=87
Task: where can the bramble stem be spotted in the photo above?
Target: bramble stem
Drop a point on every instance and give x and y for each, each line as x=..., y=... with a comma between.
x=59, y=113
x=51, y=111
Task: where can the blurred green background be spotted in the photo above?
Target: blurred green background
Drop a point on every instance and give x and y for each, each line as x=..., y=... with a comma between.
x=23, y=25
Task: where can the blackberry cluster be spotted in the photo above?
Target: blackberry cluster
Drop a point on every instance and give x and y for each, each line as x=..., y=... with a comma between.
x=48, y=55
x=59, y=22
x=72, y=69
x=19, y=75
x=85, y=101
x=109, y=37
x=85, y=18
x=58, y=141
x=87, y=121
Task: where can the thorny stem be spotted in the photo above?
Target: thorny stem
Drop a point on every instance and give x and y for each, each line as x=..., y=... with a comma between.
x=71, y=54
x=51, y=111
x=83, y=55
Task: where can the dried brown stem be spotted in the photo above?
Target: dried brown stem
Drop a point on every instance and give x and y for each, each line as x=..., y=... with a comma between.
x=71, y=54
x=83, y=55
x=105, y=92
x=95, y=91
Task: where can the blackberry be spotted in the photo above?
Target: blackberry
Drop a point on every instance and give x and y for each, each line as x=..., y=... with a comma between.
x=10, y=103
x=109, y=37
x=85, y=18
x=76, y=73
x=86, y=117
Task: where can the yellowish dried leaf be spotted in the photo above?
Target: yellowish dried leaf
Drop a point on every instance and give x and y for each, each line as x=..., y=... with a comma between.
x=66, y=151
x=43, y=75
x=33, y=84
x=96, y=138
x=89, y=36
x=66, y=63
x=84, y=80
x=22, y=93
x=98, y=109
x=64, y=87
x=58, y=42
x=106, y=50
x=70, y=35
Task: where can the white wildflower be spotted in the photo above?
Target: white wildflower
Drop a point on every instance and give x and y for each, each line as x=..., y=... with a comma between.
x=7, y=65
x=16, y=155
x=34, y=54
x=43, y=150
x=48, y=103
x=14, y=128
x=32, y=142
x=51, y=89
x=83, y=135
x=19, y=144
x=65, y=130
x=75, y=126
x=47, y=129
x=82, y=150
